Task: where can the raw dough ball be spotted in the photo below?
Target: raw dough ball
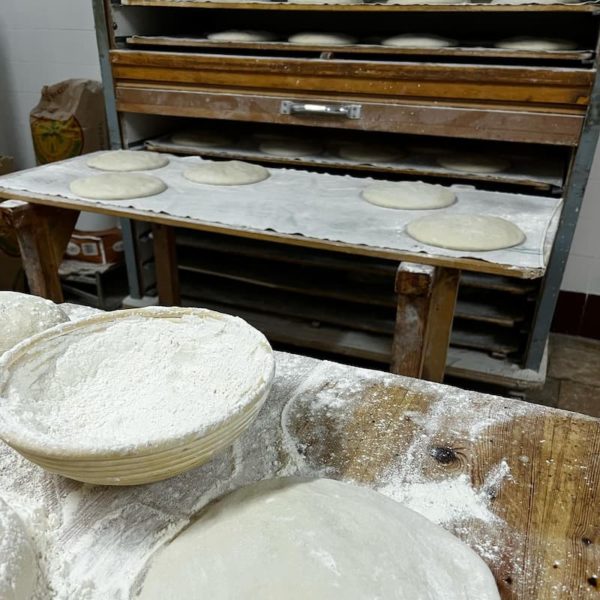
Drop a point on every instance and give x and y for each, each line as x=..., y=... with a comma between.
x=409, y=195
x=322, y=39
x=241, y=36
x=466, y=232
x=474, y=163
x=531, y=43
x=324, y=1
x=320, y=539
x=409, y=40
x=22, y=316
x=200, y=139
x=117, y=186
x=128, y=160
x=369, y=153
x=290, y=147
x=18, y=566
x=229, y=172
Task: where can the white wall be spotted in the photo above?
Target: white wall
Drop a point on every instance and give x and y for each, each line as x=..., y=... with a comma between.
x=46, y=41
x=41, y=42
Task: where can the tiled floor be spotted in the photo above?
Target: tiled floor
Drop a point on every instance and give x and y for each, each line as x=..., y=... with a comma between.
x=573, y=381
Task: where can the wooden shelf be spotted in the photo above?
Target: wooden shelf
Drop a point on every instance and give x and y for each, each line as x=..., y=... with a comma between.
x=429, y=8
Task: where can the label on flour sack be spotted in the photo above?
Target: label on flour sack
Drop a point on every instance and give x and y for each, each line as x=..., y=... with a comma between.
x=73, y=249
x=89, y=249
x=100, y=247
x=56, y=140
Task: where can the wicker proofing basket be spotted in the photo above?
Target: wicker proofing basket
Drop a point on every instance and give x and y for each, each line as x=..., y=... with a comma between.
x=148, y=464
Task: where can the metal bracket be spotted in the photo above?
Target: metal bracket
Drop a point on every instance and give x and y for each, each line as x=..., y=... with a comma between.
x=349, y=111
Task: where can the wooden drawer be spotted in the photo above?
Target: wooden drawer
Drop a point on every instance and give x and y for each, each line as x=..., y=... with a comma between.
x=536, y=88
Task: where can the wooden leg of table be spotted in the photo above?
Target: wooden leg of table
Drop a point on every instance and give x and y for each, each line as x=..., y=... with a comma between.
x=165, y=257
x=43, y=233
x=426, y=302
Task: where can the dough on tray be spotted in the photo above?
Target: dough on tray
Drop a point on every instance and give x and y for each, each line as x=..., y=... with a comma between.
x=128, y=160
x=467, y=232
x=290, y=147
x=200, y=139
x=322, y=39
x=228, y=172
x=409, y=195
x=474, y=163
x=536, y=44
x=410, y=40
x=18, y=565
x=22, y=316
x=369, y=153
x=325, y=2
x=320, y=539
x=241, y=36
x=117, y=186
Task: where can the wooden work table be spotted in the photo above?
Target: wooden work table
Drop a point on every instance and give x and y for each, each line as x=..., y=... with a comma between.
x=532, y=472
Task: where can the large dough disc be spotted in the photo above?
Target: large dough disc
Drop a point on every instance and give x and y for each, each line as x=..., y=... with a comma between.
x=474, y=163
x=299, y=539
x=409, y=40
x=536, y=44
x=322, y=39
x=409, y=195
x=369, y=153
x=229, y=172
x=290, y=148
x=200, y=139
x=128, y=160
x=466, y=232
x=117, y=186
x=241, y=36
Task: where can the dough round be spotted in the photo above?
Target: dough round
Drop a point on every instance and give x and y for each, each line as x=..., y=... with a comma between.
x=321, y=539
x=200, y=139
x=466, y=232
x=322, y=39
x=291, y=148
x=241, y=36
x=22, y=316
x=228, y=172
x=369, y=153
x=409, y=195
x=536, y=1
x=409, y=40
x=426, y=2
x=128, y=160
x=117, y=186
x=18, y=566
x=325, y=2
x=474, y=163
x=536, y=44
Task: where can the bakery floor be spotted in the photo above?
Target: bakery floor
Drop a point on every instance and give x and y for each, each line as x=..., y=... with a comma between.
x=573, y=381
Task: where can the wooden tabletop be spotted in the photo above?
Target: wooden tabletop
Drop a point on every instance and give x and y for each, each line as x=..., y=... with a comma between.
x=517, y=482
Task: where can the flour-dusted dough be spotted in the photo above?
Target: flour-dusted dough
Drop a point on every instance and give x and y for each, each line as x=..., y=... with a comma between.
x=228, y=172
x=409, y=195
x=325, y=2
x=290, y=148
x=241, y=36
x=201, y=139
x=369, y=153
x=536, y=44
x=322, y=39
x=117, y=186
x=474, y=163
x=22, y=316
x=466, y=232
x=321, y=539
x=410, y=40
x=128, y=160
x=18, y=566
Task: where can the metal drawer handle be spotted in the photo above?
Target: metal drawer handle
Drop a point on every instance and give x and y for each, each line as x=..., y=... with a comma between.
x=350, y=111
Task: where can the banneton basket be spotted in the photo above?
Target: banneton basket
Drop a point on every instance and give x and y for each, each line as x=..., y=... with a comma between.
x=123, y=464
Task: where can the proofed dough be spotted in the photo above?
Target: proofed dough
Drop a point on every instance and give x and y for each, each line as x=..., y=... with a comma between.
x=22, y=316
x=409, y=195
x=369, y=153
x=241, y=36
x=228, y=172
x=18, y=566
x=128, y=160
x=536, y=44
x=466, y=232
x=409, y=40
x=117, y=186
x=200, y=139
x=474, y=163
x=322, y=39
x=301, y=539
x=325, y=1
x=291, y=148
